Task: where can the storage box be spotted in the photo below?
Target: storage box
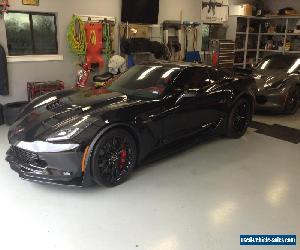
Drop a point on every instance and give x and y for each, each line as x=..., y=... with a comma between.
x=35, y=89
x=240, y=10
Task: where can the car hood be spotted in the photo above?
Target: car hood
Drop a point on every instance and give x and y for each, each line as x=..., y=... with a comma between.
x=61, y=109
x=265, y=78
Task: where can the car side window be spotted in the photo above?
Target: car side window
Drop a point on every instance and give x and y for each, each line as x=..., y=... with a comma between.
x=217, y=74
x=192, y=78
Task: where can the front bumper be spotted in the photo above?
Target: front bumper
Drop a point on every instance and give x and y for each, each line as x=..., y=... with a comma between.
x=60, y=168
x=271, y=100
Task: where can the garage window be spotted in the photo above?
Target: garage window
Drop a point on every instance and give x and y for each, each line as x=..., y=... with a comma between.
x=31, y=33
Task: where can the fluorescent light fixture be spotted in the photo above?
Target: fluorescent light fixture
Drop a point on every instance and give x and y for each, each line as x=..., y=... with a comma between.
x=265, y=64
x=169, y=72
x=257, y=77
x=81, y=121
x=295, y=66
x=147, y=72
x=51, y=99
x=86, y=108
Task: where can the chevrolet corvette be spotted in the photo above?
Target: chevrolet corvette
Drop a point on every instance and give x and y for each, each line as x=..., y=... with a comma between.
x=81, y=136
x=278, y=83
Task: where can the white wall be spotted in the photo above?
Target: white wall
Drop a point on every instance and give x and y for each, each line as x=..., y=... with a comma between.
x=170, y=10
x=21, y=73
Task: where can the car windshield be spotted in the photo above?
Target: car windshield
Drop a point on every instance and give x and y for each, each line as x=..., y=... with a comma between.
x=147, y=82
x=276, y=62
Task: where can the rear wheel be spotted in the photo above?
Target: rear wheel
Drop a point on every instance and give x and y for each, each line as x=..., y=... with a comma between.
x=114, y=158
x=239, y=119
x=292, y=102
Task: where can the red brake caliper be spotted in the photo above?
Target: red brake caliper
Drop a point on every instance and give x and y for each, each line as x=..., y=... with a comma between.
x=123, y=157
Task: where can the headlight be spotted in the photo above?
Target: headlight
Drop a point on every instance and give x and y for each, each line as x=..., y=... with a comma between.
x=64, y=134
x=71, y=131
x=276, y=85
x=279, y=84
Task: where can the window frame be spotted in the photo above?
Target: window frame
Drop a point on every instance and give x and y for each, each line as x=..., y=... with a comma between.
x=31, y=13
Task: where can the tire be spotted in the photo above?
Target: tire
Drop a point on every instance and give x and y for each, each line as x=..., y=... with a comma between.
x=114, y=158
x=11, y=111
x=292, y=102
x=1, y=115
x=239, y=119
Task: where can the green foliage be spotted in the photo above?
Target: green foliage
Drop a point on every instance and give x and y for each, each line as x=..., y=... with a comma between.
x=76, y=36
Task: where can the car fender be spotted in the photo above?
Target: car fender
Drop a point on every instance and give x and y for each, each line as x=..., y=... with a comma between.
x=292, y=84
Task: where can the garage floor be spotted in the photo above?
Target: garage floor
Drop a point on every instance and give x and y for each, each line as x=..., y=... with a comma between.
x=201, y=198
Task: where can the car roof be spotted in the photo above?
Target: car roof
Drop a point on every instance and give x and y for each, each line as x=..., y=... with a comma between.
x=181, y=65
x=281, y=56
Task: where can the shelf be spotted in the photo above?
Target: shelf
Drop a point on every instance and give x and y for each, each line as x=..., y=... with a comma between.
x=292, y=52
x=245, y=33
x=271, y=50
x=269, y=34
x=270, y=17
x=273, y=34
x=268, y=50
x=280, y=51
x=262, y=34
x=281, y=17
x=242, y=50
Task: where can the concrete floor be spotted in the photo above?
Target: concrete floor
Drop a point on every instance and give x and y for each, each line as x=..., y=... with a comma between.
x=201, y=198
x=292, y=121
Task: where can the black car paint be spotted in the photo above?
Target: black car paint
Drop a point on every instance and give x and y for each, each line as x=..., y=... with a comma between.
x=153, y=123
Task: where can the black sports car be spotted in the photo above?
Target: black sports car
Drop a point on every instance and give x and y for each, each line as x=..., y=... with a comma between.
x=278, y=83
x=82, y=136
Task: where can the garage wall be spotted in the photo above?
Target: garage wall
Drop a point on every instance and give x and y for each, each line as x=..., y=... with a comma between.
x=170, y=10
x=22, y=72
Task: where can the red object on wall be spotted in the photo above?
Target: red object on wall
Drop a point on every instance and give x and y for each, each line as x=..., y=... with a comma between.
x=215, y=59
x=4, y=6
x=94, y=39
x=35, y=89
x=83, y=75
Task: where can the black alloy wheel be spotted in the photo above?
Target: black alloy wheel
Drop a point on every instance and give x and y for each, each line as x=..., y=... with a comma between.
x=114, y=158
x=292, y=102
x=239, y=119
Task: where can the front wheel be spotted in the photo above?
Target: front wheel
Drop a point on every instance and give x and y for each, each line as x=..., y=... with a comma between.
x=239, y=119
x=292, y=102
x=114, y=158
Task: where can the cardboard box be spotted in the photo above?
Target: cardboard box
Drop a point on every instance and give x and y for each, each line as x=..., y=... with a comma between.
x=240, y=10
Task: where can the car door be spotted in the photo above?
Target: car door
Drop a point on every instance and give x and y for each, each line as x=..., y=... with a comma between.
x=194, y=113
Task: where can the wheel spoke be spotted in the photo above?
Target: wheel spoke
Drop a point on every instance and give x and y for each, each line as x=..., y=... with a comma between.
x=115, y=158
x=240, y=117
